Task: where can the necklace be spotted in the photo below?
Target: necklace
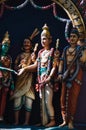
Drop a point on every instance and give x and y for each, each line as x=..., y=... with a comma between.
x=49, y=63
x=70, y=51
x=45, y=52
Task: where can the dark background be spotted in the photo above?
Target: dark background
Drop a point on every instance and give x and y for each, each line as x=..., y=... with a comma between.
x=20, y=24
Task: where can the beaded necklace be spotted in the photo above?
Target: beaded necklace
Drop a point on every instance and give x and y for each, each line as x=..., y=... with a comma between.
x=50, y=57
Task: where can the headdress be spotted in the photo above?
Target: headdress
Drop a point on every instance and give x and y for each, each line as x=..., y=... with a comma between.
x=35, y=33
x=45, y=31
x=75, y=31
x=30, y=38
x=6, y=39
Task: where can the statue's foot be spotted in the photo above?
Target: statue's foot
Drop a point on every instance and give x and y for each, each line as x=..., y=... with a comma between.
x=26, y=123
x=63, y=124
x=51, y=123
x=70, y=125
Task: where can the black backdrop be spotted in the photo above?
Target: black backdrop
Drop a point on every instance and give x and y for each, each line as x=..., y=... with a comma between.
x=20, y=24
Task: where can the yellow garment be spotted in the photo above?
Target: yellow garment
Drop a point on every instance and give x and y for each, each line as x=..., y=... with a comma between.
x=24, y=86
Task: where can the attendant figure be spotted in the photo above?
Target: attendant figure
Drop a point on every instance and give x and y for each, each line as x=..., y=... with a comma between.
x=6, y=80
x=81, y=107
x=46, y=68
x=24, y=87
x=70, y=73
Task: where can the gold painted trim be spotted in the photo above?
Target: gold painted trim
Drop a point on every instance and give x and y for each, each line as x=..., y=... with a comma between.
x=74, y=15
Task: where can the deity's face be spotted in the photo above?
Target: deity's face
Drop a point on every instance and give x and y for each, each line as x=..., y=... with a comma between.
x=45, y=41
x=5, y=47
x=27, y=45
x=73, y=39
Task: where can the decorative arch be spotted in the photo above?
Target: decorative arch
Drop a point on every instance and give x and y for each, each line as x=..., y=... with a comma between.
x=74, y=15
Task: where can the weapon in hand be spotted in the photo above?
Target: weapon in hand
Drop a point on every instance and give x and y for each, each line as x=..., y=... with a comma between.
x=34, y=52
x=57, y=44
x=35, y=48
x=56, y=53
x=73, y=61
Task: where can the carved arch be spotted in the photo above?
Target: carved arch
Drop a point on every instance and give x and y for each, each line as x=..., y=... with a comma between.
x=74, y=15
x=69, y=6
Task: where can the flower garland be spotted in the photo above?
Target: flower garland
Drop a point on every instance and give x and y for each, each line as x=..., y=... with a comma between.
x=17, y=7
x=2, y=9
x=49, y=64
x=66, y=30
x=53, y=5
x=62, y=20
x=81, y=4
x=3, y=6
x=40, y=84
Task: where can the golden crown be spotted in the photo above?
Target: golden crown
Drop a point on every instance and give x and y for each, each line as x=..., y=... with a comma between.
x=45, y=31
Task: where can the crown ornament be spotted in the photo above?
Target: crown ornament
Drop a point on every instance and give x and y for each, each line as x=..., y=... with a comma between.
x=6, y=39
x=34, y=34
x=45, y=31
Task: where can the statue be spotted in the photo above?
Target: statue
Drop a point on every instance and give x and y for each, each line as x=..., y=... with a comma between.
x=6, y=80
x=24, y=88
x=70, y=73
x=46, y=68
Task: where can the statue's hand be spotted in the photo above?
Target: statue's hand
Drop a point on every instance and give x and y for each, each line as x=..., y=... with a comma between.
x=48, y=79
x=59, y=77
x=33, y=57
x=20, y=71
